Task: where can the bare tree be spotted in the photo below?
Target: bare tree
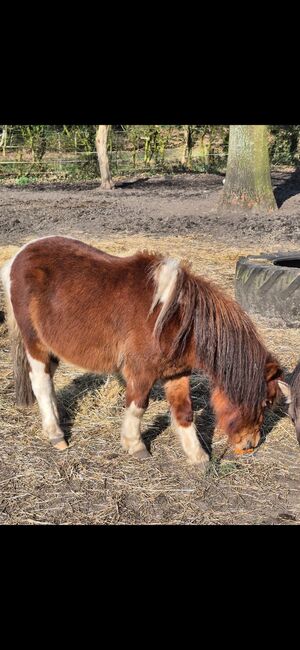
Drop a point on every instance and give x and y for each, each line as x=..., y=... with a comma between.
x=248, y=178
x=188, y=145
x=3, y=141
x=101, y=146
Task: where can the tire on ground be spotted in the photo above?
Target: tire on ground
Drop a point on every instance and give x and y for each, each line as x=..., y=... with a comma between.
x=269, y=285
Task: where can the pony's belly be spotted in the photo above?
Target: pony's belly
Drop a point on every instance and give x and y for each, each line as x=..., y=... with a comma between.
x=91, y=353
x=94, y=360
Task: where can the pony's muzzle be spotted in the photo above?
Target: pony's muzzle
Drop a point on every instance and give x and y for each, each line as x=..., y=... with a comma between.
x=247, y=442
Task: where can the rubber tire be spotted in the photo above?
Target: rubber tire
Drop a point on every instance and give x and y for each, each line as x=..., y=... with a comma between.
x=273, y=291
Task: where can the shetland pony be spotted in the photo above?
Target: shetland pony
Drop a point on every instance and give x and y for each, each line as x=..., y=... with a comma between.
x=145, y=316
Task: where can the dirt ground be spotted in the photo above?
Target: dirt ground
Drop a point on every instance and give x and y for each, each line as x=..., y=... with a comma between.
x=95, y=481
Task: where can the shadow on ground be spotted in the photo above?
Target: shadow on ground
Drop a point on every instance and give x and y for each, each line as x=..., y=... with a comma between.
x=280, y=410
x=204, y=421
x=70, y=397
x=288, y=188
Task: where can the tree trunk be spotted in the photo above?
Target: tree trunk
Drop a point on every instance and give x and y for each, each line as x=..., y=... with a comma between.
x=147, y=156
x=248, y=179
x=187, y=147
x=294, y=144
x=101, y=146
x=4, y=140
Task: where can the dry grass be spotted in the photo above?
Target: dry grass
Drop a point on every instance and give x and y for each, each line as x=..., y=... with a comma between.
x=95, y=482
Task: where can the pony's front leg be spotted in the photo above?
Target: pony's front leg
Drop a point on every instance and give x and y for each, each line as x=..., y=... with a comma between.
x=41, y=373
x=178, y=396
x=137, y=397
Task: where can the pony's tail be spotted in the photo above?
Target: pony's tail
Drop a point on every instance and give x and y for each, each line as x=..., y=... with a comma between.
x=23, y=388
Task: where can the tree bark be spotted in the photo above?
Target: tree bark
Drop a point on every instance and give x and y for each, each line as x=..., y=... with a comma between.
x=187, y=147
x=101, y=146
x=4, y=140
x=248, y=178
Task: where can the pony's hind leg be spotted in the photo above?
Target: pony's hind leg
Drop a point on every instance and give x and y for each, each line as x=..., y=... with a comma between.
x=53, y=365
x=178, y=396
x=42, y=368
x=137, y=396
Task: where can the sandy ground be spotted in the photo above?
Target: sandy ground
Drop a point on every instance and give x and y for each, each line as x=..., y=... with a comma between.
x=95, y=482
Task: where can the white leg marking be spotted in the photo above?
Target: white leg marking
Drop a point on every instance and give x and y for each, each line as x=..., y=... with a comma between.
x=42, y=387
x=131, y=431
x=190, y=443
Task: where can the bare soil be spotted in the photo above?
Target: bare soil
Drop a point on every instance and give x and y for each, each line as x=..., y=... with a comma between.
x=162, y=205
x=94, y=481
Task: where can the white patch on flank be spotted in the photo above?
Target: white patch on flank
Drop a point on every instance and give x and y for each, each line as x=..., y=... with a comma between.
x=131, y=429
x=165, y=277
x=190, y=443
x=6, y=268
x=6, y=281
x=5, y=274
x=42, y=387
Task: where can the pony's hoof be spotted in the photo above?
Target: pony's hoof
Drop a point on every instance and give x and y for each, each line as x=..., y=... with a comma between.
x=200, y=461
x=203, y=466
x=61, y=445
x=141, y=454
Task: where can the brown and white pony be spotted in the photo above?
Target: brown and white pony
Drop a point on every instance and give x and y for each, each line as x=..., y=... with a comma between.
x=145, y=316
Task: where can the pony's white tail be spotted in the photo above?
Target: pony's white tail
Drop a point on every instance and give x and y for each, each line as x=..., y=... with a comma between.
x=24, y=393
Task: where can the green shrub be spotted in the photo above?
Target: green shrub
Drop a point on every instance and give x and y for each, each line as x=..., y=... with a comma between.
x=25, y=180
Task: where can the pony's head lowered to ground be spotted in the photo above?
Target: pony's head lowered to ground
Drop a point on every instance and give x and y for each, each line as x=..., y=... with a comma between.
x=227, y=346
x=243, y=423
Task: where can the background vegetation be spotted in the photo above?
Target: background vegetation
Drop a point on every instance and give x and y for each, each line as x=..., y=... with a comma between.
x=30, y=153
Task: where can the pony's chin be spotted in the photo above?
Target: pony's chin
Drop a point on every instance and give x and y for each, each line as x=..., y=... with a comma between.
x=244, y=451
x=247, y=445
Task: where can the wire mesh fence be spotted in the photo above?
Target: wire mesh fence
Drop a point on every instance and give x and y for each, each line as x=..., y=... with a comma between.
x=69, y=151
x=56, y=152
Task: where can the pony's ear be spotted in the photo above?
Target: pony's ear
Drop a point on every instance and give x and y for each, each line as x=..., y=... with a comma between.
x=272, y=371
x=286, y=391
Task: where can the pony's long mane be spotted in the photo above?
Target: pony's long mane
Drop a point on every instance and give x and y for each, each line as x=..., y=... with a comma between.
x=227, y=343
